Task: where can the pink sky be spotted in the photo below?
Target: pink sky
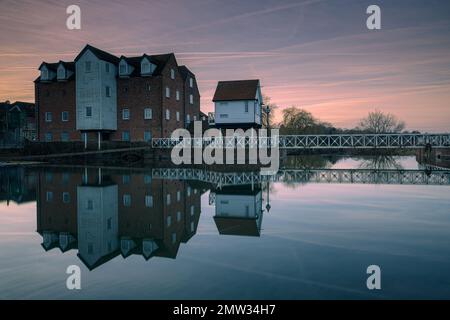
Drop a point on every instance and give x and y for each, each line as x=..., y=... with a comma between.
x=314, y=54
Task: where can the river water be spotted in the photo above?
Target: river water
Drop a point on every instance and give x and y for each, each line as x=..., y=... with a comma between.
x=137, y=235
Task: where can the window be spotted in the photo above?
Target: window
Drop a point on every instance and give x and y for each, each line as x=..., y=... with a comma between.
x=191, y=82
x=189, y=191
x=149, y=87
x=126, y=200
x=65, y=177
x=178, y=95
x=126, y=179
x=169, y=221
x=168, y=199
x=61, y=73
x=126, y=136
x=123, y=68
x=178, y=195
x=192, y=210
x=167, y=114
x=64, y=136
x=48, y=117
x=178, y=116
x=246, y=106
x=87, y=66
x=223, y=115
x=90, y=204
x=167, y=92
x=108, y=91
x=65, y=116
x=145, y=67
x=44, y=74
x=172, y=73
x=48, y=177
x=125, y=89
x=88, y=111
x=147, y=136
x=174, y=238
x=195, y=118
x=107, y=67
x=147, y=179
x=66, y=197
x=192, y=226
x=48, y=137
x=191, y=99
x=178, y=216
x=148, y=113
x=149, y=201
x=49, y=196
x=125, y=114
x=188, y=119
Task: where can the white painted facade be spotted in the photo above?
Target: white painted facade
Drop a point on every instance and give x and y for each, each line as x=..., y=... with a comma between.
x=241, y=111
x=239, y=206
x=92, y=81
x=98, y=222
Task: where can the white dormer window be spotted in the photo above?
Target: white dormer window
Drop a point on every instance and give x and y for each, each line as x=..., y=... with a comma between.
x=44, y=73
x=172, y=73
x=145, y=66
x=123, y=68
x=61, y=72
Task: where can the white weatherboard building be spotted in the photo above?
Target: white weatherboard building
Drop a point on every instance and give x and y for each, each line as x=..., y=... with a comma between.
x=98, y=225
x=238, y=104
x=96, y=96
x=239, y=211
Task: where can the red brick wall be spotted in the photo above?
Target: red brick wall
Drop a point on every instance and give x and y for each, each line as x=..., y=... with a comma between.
x=56, y=97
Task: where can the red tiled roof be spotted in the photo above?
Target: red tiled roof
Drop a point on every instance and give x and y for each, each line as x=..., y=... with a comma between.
x=236, y=90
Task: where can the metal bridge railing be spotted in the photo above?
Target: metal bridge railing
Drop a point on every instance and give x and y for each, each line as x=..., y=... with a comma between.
x=338, y=141
x=357, y=176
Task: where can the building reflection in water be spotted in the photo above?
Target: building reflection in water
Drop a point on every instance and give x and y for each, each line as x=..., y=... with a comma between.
x=239, y=210
x=108, y=214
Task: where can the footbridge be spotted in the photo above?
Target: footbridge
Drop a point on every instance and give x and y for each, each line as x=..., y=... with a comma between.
x=334, y=141
x=338, y=176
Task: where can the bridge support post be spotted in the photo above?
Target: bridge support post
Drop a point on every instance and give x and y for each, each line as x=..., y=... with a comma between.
x=99, y=142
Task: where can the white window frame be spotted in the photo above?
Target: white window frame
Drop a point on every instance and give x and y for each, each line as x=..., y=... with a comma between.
x=125, y=110
x=172, y=74
x=178, y=95
x=62, y=116
x=178, y=116
x=149, y=201
x=167, y=92
x=167, y=114
x=148, y=114
x=191, y=98
x=48, y=116
x=191, y=82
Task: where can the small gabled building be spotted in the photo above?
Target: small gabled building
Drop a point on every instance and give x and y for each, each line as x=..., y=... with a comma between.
x=238, y=104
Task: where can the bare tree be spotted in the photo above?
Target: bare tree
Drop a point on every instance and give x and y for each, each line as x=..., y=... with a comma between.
x=379, y=122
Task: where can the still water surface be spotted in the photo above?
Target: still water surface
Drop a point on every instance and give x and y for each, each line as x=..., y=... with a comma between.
x=138, y=237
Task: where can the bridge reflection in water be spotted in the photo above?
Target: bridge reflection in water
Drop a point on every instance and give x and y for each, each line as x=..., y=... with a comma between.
x=104, y=213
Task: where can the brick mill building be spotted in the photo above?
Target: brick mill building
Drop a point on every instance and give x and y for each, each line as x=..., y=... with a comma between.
x=102, y=97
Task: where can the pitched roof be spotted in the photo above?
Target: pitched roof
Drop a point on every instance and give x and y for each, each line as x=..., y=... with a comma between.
x=184, y=71
x=235, y=226
x=236, y=90
x=102, y=55
x=160, y=60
